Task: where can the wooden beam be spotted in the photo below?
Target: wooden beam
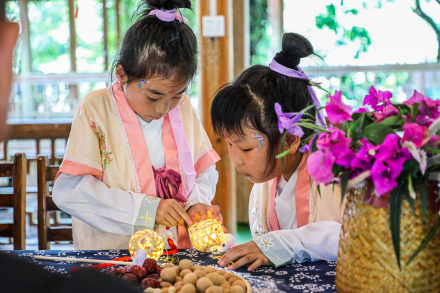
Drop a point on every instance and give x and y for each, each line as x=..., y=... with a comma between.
x=105, y=33
x=26, y=59
x=118, y=24
x=240, y=22
x=215, y=72
x=240, y=14
x=72, y=30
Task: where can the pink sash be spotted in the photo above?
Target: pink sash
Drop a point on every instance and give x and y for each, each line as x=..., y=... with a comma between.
x=178, y=159
x=302, y=197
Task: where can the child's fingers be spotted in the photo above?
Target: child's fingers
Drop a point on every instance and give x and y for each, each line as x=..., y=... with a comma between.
x=256, y=264
x=215, y=211
x=182, y=214
x=174, y=216
x=166, y=223
x=231, y=255
x=241, y=262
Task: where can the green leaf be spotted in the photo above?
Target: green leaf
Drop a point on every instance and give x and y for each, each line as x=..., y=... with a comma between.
x=312, y=126
x=414, y=110
x=405, y=189
x=283, y=141
x=432, y=150
x=423, y=191
x=404, y=109
x=354, y=129
x=393, y=122
x=376, y=132
x=425, y=241
x=283, y=154
x=410, y=168
x=344, y=181
x=319, y=190
x=395, y=212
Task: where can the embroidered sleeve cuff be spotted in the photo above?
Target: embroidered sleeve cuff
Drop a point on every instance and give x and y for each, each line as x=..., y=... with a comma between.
x=274, y=250
x=147, y=213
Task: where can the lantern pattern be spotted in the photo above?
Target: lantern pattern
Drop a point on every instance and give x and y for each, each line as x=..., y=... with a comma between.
x=207, y=235
x=147, y=240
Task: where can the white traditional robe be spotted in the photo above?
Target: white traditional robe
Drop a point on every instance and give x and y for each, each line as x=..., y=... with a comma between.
x=290, y=222
x=106, y=180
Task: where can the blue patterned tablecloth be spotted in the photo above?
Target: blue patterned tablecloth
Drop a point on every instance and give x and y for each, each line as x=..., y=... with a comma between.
x=306, y=277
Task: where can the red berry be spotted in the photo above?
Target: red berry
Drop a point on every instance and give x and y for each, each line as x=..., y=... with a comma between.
x=149, y=282
x=129, y=276
x=138, y=271
x=150, y=265
x=154, y=276
x=113, y=271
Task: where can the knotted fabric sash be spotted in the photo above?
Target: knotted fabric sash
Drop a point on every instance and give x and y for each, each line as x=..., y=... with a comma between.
x=169, y=184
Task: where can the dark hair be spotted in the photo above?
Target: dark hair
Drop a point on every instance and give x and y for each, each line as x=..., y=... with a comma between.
x=250, y=99
x=155, y=47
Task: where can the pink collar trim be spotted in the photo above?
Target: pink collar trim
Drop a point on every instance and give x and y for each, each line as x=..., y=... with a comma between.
x=177, y=154
x=302, y=197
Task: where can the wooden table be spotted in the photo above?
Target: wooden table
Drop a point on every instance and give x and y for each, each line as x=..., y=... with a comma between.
x=306, y=277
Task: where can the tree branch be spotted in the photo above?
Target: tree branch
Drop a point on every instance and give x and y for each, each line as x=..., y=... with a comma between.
x=418, y=10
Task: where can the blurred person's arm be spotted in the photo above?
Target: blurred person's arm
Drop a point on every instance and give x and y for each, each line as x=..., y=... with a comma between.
x=8, y=37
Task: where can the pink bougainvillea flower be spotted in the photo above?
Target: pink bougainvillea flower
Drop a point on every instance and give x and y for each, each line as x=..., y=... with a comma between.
x=433, y=105
x=286, y=121
x=384, y=177
x=337, y=111
x=389, y=151
x=363, y=159
x=345, y=158
x=387, y=111
x=415, y=133
x=319, y=165
x=361, y=110
x=377, y=99
x=336, y=143
x=424, y=118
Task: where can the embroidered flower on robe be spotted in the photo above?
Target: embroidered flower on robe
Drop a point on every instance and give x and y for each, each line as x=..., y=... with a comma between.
x=265, y=243
x=104, y=152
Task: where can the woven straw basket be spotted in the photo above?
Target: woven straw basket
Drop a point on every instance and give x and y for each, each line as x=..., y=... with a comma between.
x=366, y=257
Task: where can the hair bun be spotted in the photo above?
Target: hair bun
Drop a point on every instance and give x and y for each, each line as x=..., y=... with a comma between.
x=287, y=61
x=294, y=47
x=167, y=4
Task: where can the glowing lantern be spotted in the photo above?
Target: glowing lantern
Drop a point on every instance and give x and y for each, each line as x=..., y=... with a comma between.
x=147, y=240
x=207, y=235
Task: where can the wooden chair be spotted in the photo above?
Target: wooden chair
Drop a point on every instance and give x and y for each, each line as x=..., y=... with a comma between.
x=37, y=131
x=15, y=199
x=47, y=232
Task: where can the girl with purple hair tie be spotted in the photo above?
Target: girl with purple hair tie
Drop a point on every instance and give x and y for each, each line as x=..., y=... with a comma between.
x=290, y=222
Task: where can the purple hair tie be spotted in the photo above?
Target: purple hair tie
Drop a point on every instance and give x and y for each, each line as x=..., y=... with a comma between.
x=299, y=74
x=167, y=15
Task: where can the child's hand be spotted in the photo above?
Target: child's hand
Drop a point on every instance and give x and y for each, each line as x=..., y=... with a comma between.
x=243, y=254
x=201, y=211
x=170, y=213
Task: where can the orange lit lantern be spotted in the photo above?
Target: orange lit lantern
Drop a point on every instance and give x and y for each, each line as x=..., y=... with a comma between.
x=147, y=240
x=207, y=235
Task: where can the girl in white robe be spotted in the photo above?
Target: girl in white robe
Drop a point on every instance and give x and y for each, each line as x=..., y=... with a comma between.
x=289, y=220
x=137, y=155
